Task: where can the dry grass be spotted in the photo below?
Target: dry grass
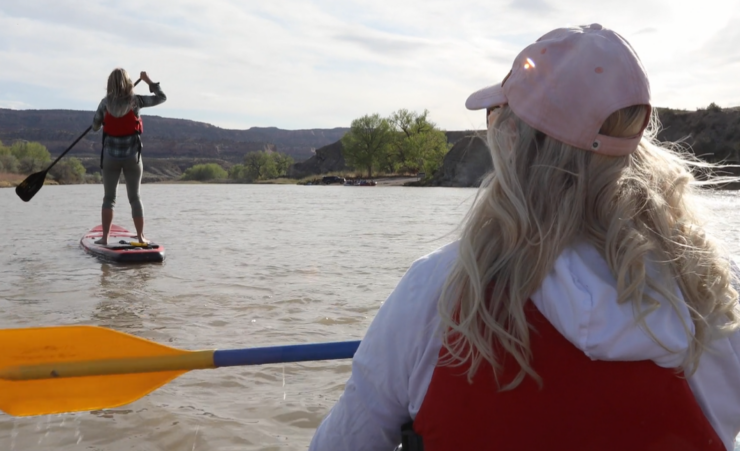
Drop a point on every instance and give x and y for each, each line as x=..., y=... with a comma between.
x=8, y=180
x=278, y=181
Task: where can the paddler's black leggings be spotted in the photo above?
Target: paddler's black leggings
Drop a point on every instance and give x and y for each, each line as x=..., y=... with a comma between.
x=132, y=171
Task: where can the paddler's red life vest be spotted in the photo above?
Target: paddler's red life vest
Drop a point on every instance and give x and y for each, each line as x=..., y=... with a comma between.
x=583, y=404
x=128, y=124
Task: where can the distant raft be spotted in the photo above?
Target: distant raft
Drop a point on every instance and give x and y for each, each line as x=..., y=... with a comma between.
x=122, y=246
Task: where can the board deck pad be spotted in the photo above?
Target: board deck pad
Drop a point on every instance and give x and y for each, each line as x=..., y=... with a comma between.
x=122, y=246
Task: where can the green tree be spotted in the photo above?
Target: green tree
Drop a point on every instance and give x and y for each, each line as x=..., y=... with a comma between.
x=8, y=163
x=236, y=172
x=282, y=163
x=203, y=172
x=259, y=166
x=366, y=142
x=68, y=171
x=436, y=149
x=31, y=156
x=417, y=142
x=714, y=107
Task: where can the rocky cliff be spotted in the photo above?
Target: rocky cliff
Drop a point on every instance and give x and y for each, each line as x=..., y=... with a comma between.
x=712, y=134
x=465, y=164
x=327, y=159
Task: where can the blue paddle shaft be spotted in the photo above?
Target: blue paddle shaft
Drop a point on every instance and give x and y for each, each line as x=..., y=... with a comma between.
x=285, y=354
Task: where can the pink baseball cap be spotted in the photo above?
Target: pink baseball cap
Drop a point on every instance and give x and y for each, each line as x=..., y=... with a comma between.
x=569, y=82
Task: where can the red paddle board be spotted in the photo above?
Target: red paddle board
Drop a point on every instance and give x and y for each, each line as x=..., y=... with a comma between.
x=122, y=246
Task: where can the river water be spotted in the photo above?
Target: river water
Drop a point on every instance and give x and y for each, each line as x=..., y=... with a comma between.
x=247, y=265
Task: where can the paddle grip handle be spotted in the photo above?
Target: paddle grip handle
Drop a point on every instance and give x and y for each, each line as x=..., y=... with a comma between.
x=285, y=354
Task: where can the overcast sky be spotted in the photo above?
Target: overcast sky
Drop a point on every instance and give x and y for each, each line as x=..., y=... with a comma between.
x=298, y=64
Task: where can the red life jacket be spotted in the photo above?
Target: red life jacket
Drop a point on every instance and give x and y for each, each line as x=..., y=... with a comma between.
x=128, y=124
x=583, y=404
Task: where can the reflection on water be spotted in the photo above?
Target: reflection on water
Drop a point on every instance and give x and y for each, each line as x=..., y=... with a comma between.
x=246, y=266
x=122, y=291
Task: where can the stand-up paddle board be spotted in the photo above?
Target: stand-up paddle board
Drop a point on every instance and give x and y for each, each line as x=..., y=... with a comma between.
x=122, y=246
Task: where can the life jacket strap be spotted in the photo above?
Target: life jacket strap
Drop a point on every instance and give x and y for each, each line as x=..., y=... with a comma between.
x=410, y=440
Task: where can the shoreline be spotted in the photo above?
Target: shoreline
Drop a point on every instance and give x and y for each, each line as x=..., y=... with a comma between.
x=9, y=180
x=394, y=180
x=15, y=179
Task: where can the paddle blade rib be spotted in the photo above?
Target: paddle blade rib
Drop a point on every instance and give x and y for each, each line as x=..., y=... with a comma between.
x=59, y=347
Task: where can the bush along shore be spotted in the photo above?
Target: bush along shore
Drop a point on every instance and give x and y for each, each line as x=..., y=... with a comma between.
x=23, y=158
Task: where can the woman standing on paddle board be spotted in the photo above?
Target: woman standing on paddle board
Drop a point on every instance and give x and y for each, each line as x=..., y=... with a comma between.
x=584, y=305
x=118, y=113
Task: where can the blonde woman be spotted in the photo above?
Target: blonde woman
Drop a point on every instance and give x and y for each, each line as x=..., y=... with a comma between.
x=583, y=307
x=118, y=114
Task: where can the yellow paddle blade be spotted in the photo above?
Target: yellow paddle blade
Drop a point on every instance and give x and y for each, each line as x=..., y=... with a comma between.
x=23, y=348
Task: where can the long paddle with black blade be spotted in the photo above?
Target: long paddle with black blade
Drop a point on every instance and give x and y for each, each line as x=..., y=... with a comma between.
x=51, y=370
x=33, y=183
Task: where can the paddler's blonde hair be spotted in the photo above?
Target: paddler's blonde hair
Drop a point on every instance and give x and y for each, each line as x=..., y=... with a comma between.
x=120, y=85
x=544, y=195
x=120, y=93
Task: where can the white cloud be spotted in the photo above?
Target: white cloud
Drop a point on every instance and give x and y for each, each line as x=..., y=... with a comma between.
x=13, y=104
x=321, y=63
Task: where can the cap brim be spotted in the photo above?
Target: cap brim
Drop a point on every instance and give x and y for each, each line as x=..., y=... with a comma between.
x=486, y=98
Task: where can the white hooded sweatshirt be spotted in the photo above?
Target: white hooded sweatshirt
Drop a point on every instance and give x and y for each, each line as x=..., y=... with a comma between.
x=394, y=364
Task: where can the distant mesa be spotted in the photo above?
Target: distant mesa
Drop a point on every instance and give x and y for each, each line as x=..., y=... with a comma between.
x=164, y=137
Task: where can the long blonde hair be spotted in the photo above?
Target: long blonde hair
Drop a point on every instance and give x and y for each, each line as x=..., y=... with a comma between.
x=120, y=92
x=541, y=197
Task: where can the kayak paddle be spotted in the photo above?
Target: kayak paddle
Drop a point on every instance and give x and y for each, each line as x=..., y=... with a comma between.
x=33, y=183
x=61, y=369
